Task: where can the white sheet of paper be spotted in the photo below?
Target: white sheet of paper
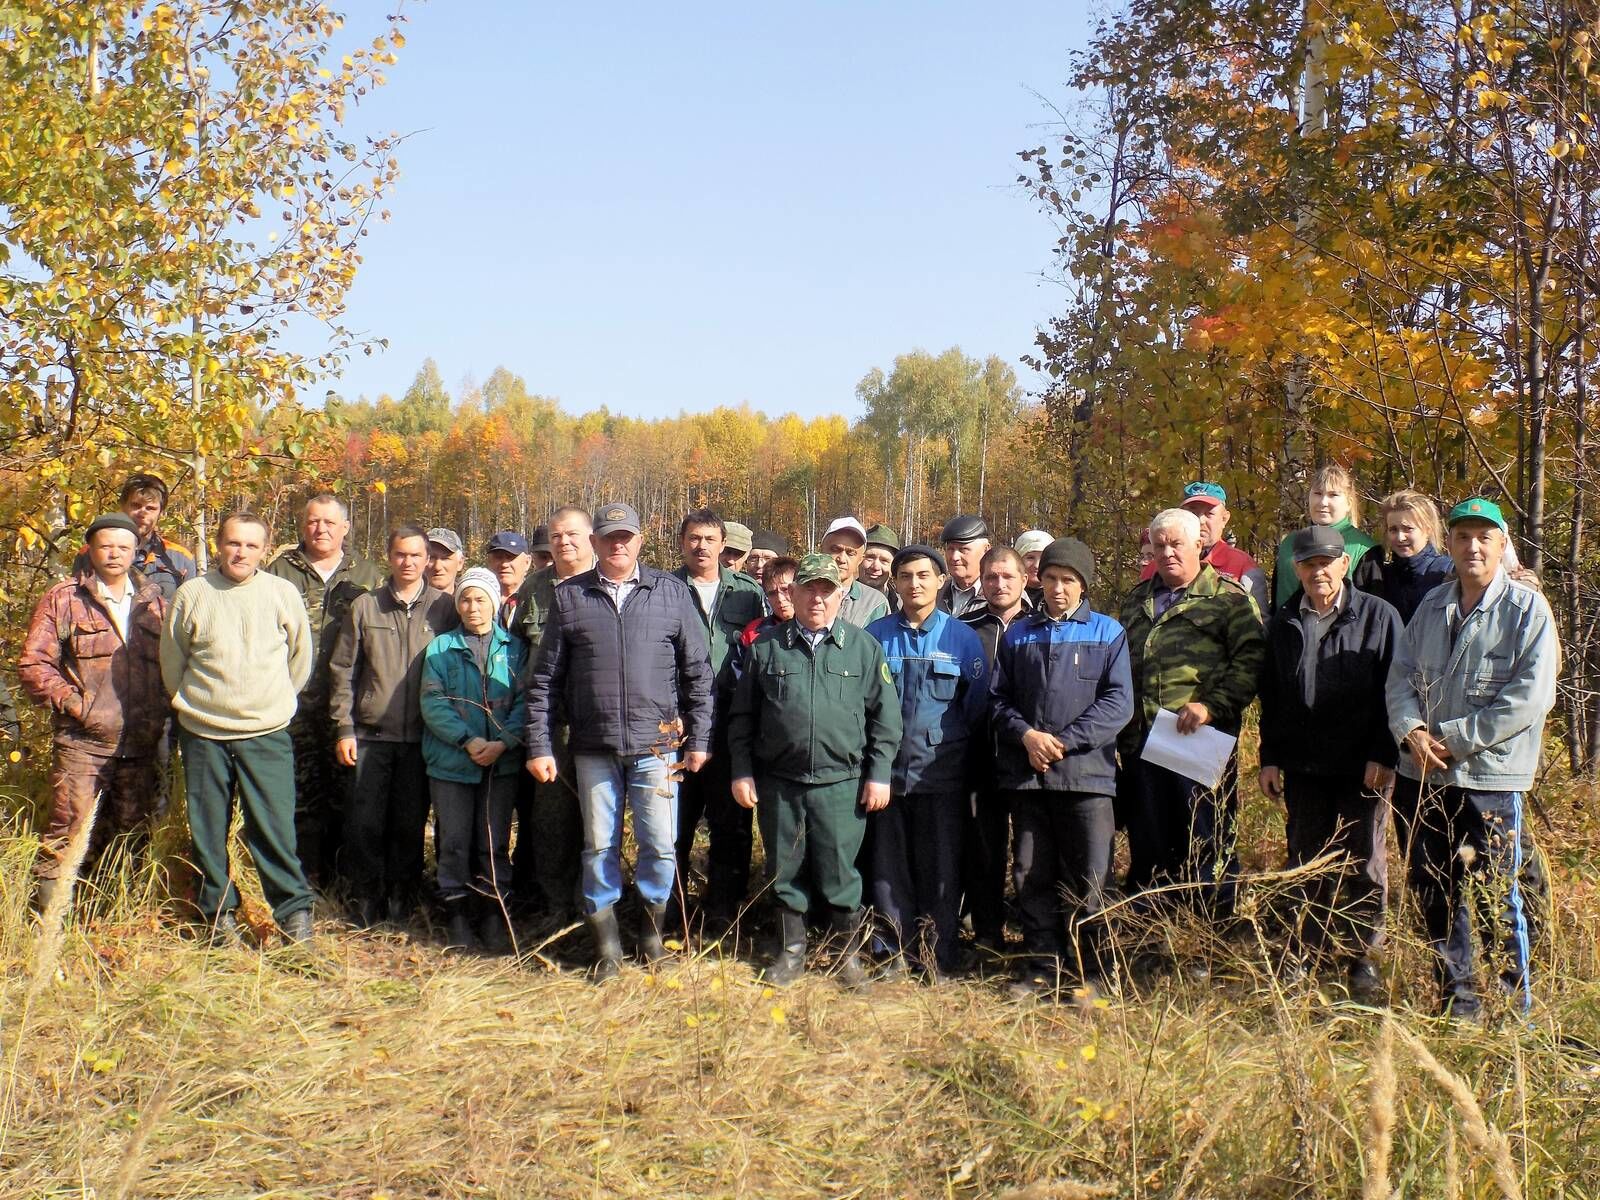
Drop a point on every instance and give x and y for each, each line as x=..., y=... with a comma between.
x=1200, y=755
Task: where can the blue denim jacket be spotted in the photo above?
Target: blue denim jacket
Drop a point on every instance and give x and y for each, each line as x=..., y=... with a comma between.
x=1485, y=691
x=942, y=676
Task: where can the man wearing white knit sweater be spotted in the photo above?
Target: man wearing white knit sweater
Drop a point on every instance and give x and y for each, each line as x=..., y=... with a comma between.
x=235, y=651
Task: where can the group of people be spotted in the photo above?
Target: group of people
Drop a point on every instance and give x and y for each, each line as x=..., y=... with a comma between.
x=906, y=724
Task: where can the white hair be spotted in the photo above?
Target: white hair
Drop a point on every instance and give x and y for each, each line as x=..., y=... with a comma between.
x=1182, y=520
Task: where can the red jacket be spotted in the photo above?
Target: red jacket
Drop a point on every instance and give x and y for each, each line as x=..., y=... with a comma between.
x=104, y=693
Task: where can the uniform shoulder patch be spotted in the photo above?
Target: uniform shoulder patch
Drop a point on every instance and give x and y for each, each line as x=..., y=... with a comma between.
x=975, y=667
x=883, y=669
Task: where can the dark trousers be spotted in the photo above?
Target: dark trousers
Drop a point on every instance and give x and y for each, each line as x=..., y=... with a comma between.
x=1180, y=832
x=1341, y=909
x=1457, y=891
x=916, y=884
x=385, y=821
x=120, y=792
x=812, y=833
x=321, y=791
x=985, y=855
x=262, y=770
x=547, y=860
x=474, y=836
x=1063, y=856
x=708, y=793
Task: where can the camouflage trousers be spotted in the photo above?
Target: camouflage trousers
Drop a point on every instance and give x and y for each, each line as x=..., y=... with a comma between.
x=321, y=794
x=124, y=788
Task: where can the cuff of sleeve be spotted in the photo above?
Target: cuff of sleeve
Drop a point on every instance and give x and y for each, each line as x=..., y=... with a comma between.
x=344, y=731
x=1453, y=735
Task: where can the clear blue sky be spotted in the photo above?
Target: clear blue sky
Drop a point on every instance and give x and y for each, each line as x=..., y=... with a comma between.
x=670, y=207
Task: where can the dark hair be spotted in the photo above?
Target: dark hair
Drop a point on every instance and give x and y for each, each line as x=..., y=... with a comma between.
x=140, y=483
x=571, y=510
x=995, y=553
x=401, y=532
x=702, y=516
x=782, y=565
x=245, y=516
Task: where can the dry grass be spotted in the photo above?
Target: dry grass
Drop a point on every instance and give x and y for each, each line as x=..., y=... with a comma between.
x=151, y=1066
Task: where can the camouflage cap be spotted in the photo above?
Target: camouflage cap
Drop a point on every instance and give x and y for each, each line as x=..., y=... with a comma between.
x=815, y=566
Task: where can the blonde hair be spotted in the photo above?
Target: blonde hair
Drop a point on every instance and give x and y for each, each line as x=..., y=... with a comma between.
x=1419, y=508
x=1332, y=474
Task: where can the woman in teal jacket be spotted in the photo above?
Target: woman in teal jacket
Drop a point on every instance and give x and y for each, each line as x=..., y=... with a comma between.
x=472, y=743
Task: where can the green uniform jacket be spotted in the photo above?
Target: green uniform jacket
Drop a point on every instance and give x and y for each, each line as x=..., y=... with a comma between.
x=739, y=601
x=1285, y=582
x=817, y=720
x=1208, y=646
x=326, y=606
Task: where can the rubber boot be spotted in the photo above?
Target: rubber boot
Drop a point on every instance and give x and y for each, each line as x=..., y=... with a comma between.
x=494, y=935
x=844, y=932
x=458, y=934
x=607, y=944
x=790, y=961
x=652, y=920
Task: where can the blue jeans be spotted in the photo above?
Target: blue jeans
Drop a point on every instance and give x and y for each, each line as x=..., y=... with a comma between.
x=606, y=784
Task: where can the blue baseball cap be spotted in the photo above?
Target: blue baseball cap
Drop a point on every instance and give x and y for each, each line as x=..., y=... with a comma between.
x=1203, y=491
x=508, y=540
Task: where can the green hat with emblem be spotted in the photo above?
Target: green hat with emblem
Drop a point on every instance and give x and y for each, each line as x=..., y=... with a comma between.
x=1476, y=508
x=815, y=566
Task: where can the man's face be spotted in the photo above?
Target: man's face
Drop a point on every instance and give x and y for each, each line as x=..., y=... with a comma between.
x=145, y=509
x=443, y=566
x=569, y=544
x=845, y=547
x=111, y=553
x=701, y=548
x=816, y=603
x=323, y=529
x=875, y=561
x=476, y=610
x=617, y=552
x=964, y=559
x=1177, y=557
x=917, y=583
x=1476, y=547
x=1328, y=504
x=510, y=569
x=733, y=559
x=1213, y=520
x=755, y=563
x=780, y=595
x=1063, y=590
x=1322, y=577
x=1002, y=584
x=540, y=559
x=241, y=545
x=407, y=559
x=1404, y=536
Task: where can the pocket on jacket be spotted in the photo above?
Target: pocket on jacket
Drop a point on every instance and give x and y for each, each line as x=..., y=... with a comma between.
x=944, y=677
x=92, y=641
x=775, y=683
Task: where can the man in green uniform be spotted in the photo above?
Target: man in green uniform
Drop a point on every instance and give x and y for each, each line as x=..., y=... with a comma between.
x=812, y=734
x=328, y=580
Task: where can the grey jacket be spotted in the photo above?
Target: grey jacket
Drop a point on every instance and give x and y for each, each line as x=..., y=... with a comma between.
x=1486, y=695
x=375, y=667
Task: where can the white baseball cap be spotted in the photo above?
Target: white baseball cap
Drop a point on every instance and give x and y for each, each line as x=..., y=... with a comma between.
x=846, y=524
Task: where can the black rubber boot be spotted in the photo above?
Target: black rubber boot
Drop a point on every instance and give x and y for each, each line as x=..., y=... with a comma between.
x=844, y=934
x=607, y=944
x=652, y=920
x=458, y=933
x=494, y=935
x=790, y=961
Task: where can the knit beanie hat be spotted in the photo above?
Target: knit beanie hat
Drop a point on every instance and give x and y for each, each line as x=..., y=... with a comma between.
x=483, y=579
x=1069, y=552
x=112, y=521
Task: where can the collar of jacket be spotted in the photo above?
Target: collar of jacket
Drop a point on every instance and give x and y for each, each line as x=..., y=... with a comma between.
x=296, y=555
x=423, y=595
x=1041, y=617
x=791, y=633
x=497, y=637
x=589, y=581
x=1450, y=598
x=143, y=589
x=931, y=624
x=725, y=577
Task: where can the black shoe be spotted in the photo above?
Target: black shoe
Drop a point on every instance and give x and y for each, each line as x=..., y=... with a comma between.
x=366, y=912
x=1365, y=982
x=225, y=932
x=297, y=926
x=607, y=944
x=1462, y=1008
x=844, y=935
x=458, y=932
x=790, y=961
x=652, y=920
x=494, y=935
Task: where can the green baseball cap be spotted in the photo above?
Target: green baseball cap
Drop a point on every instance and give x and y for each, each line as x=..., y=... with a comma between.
x=1476, y=508
x=815, y=566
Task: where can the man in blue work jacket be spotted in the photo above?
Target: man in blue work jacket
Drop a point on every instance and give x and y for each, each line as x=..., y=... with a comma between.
x=1062, y=691
x=942, y=676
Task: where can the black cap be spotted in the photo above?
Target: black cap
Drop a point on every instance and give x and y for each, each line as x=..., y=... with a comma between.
x=765, y=539
x=914, y=552
x=964, y=528
x=540, y=541
x=881, y=535
x=1316, y=541
x=1069, y=552
x=112, y=521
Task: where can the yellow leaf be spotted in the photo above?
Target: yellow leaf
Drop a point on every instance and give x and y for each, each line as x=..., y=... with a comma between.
x=779, y=1017
x=1088, y=1053
x=380, y=487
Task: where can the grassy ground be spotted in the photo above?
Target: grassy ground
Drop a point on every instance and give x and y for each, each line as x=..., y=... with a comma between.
x=138, y=1063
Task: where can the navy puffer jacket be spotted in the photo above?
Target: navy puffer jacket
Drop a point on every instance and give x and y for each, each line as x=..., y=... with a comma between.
x=618, y=678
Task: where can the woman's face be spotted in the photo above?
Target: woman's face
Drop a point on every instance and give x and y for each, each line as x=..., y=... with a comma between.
x=1328, y=504
x=1403, y=534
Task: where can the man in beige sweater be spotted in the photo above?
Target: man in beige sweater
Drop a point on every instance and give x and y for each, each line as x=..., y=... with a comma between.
x=235, y=651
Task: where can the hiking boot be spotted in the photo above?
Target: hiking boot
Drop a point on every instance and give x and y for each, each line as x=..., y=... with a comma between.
x=225, y=932
x=790, y=961
x=652, y=920
x=458, y=932
x=607, y=944
x=297, y=926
